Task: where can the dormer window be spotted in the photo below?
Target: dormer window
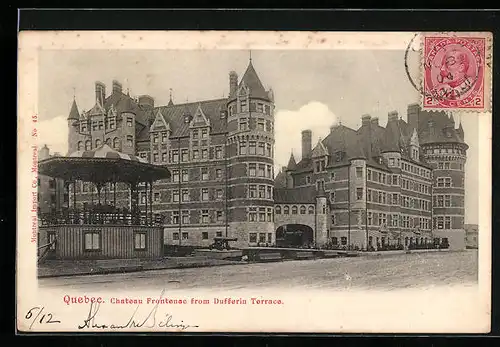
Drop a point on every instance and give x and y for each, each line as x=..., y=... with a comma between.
x=204, y=133
x=129, y=121
x=83, y=126
x=195, y=134
x=112, y=123
x=339, y=156
x=164, y=136
x=243, y=106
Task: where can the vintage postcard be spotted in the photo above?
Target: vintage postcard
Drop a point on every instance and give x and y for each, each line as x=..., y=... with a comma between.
x=254, y=182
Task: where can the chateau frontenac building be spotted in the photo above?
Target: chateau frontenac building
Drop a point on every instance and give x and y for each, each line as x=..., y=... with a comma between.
x=375, y=185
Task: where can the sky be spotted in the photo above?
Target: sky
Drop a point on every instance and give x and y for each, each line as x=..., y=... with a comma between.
x=313, y=89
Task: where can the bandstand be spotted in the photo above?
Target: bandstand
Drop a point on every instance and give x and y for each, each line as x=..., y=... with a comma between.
x=101, y=230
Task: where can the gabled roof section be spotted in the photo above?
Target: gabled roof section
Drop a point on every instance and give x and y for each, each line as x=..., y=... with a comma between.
x=199, y=119
x=96, y=110
x=251, y=80
x=280, y=180
x=73, y=113
x=319, y=151
x=124, y=103
x=436, y=127
x=159, y=123
x=174, y=115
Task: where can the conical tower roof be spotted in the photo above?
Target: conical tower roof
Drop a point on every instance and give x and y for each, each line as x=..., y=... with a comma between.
x=292, y=164
x=252, y=81
x=73, y=113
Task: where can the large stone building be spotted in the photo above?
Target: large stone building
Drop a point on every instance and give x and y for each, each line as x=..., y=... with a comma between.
x=398, y=184
x=220, y=153
x=402, y=183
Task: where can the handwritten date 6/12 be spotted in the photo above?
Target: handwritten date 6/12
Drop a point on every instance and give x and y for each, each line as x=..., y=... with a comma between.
x=37, y=315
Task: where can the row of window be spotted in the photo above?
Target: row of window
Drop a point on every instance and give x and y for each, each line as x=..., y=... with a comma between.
x=443, y=182
x=204, y=174
x=243, y=124
x=254, y=107
x=99, y=124
x=93, y=242
x=442, y=200
x=255, y=214
x=260, y=170
x=295, y=209
x=415, y=186
x=252, y=237
x=416, y=170
x=442, y=222
x=205, y=217
x=204, y=195
x=441, y=150
x=260, y=191
x=115, y=143
x=255, y=148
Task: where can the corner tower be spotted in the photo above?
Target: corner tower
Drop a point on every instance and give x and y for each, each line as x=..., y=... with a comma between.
x=251, y=159
x=443, y=146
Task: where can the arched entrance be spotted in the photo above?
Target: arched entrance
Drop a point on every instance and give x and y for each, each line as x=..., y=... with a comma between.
x=294, y=235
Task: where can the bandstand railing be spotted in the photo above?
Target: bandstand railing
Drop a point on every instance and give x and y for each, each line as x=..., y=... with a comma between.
x=100, y=215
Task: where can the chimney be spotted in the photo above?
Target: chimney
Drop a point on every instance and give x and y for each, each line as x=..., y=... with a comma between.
x=44, y=153
x=117, y=87
x=375, y=120
x=306, y=143
x=146, y=102
x=283, y=168
x=233, y=84
x=100, y=92
x=365, y=119
x=412, y=115
x=392, y=116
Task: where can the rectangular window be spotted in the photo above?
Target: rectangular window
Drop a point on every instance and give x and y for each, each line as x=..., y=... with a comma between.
x=269, y=192
x=164, y=156
x=243, y=124
x=175, y=196
x=140, y=241
x=218, y=173
x=262, y=237
x=262, y=170
x=253, y=237
x=391, y=161
x=92, y=241
x=251, y=147
x=204, y=235
x=204, y=133
x=218, y=152
x=204, y=194
x=269, y=151
x=204, y=174
x=252, y=191
x=252, y=170
x=175, y=156
x=129, y=121
x=359, y=172
x=261, y=125
x=185, y=155
x=164, y=137
x=175, y=218
x=156, y=196
x=447, y=222
x=368, y=175
x=262, y=192
x=260, y=148
x=130, y=141
x=204, y=154
x=175, y=175
x=155, y=157
x=195, y=134
x=175, y=236
x=196, y=154
x=219, y=215
x=219, y=194
x=185, y=195
x=243, y=147
x=185, y=175
x=359, y=193
x=332, y=196
x=205, y=218
x=155, y=138
x=185, y=217
x=447, y=201
x=185, y=236
x=269, y=172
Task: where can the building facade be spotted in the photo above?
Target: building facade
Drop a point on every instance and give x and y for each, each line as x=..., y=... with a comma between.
x=220, y=153
x=471, y=236
x=402, y=184
x=374, y=186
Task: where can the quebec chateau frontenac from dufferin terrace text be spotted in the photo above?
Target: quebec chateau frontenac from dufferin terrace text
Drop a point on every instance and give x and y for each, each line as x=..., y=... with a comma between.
x=398, y=185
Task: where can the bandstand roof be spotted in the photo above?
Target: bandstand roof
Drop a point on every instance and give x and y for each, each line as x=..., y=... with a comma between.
x=101, y=165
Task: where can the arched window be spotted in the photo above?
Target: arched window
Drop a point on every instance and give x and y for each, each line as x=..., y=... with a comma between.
x=80, y=145
x=406, y=241
x=294, y=210
x=278, y=209
x=311, y=210
x=286, y=210
x=108, y=141
x=88, y=145
x=116, y=143
x=302, y=209
x=98, y=143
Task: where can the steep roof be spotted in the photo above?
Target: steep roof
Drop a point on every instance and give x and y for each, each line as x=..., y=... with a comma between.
x=280, y=180
x=304, y=195
x=73, y=113
x=174, y=116
x=251, y=80
x=292, y=164
x=436, y=127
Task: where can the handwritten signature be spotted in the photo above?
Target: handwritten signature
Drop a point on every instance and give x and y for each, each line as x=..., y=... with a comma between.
x=149, y=321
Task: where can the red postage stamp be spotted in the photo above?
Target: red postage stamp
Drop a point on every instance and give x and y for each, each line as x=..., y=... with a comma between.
x=454, y=72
